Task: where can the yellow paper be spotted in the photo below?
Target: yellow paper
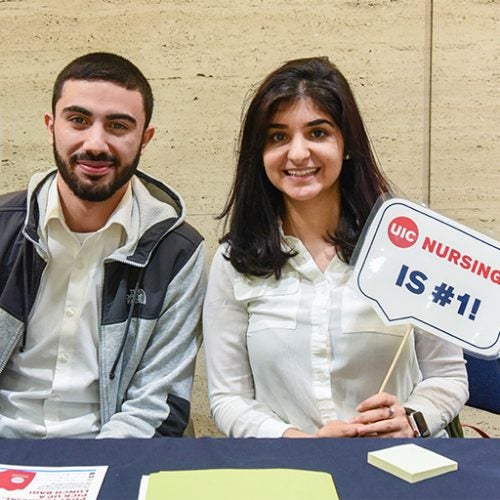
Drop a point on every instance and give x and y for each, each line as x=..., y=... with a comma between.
x=243, y=484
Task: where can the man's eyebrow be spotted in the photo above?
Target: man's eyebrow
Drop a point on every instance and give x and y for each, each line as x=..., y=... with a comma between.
x=122, y=116
x=112, y=116
x=77, y=109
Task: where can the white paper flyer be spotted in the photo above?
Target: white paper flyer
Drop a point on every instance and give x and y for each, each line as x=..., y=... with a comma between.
x=50, y=483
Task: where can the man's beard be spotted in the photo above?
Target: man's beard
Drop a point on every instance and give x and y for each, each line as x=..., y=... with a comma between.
x=95, y=192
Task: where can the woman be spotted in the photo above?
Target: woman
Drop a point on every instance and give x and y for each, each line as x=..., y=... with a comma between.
x=291, y=349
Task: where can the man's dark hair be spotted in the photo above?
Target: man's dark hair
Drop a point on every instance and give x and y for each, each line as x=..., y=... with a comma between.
x=106, y=67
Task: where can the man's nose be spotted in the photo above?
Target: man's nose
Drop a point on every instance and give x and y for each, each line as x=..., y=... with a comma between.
x=96, y=139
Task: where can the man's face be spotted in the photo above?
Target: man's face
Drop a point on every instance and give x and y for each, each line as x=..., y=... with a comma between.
x=97, y=134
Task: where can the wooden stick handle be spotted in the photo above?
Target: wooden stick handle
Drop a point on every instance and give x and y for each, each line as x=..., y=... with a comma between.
x=395, y=360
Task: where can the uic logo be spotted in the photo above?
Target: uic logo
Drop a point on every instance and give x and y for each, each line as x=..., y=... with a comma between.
x=403, y=232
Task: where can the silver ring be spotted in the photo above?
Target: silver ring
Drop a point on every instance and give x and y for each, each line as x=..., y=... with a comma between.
x=391, y=412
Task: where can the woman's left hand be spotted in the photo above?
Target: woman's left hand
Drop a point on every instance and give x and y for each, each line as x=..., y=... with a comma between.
x=382, y=416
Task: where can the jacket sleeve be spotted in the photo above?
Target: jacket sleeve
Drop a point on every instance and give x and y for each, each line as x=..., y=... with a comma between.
x=230, y=383
x=156, y=402
x=443, y=390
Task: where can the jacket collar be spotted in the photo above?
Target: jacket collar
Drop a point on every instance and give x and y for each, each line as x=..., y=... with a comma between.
x=158, y=209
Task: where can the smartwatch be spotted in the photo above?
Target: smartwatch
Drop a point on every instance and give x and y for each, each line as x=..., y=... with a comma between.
x=417, y=423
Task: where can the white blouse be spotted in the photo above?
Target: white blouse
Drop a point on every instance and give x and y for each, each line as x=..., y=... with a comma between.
x=307, y=348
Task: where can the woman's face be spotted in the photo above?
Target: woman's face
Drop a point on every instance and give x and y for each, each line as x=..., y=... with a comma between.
x=303, y=153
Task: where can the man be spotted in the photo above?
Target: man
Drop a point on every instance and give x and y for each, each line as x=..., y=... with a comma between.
x=101, y=280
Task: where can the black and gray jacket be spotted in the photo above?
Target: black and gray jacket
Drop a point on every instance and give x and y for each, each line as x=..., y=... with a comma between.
x=151, y=305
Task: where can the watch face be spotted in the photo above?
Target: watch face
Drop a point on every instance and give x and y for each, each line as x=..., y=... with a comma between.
x=420, y=424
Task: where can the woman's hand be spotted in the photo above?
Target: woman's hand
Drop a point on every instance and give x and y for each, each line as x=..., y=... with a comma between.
x=339, y=429
x=382, y=415
x=333, y=429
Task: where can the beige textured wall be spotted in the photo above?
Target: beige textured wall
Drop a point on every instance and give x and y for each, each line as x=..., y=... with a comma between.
x=465, y=126
x=425, y=74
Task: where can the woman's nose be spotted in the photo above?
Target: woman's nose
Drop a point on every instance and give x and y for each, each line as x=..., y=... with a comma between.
x=298, y=150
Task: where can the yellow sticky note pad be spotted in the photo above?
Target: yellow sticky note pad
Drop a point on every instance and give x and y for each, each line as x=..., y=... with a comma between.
x=243, y=484
x=411, y=462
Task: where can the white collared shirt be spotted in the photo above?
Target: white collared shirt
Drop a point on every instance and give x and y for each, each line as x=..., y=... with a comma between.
x=51, y=389
x=306, y=349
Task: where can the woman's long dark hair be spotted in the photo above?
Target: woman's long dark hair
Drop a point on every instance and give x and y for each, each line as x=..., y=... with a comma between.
x=254, y=205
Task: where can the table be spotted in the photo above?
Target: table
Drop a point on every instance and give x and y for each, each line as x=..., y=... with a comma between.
x=478, y=476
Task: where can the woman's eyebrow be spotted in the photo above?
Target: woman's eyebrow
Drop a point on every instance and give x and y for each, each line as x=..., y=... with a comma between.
x=320, y=121
x=313, y=123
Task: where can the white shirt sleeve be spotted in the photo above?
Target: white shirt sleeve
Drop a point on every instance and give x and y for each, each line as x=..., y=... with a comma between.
x=229, y=374
x=444, y=389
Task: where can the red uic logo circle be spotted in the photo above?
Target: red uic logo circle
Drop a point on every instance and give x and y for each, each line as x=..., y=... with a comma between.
x=403, y=232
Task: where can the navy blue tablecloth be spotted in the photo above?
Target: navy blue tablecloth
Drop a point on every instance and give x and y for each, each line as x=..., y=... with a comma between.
x=478, y=476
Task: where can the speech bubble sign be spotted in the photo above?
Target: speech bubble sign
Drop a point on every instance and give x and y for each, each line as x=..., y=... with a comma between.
x=417, y=266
